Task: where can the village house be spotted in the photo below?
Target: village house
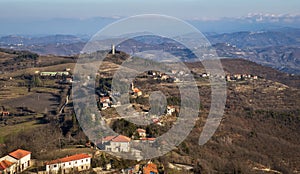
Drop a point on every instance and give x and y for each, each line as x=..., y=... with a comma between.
x=7, y=167
x=150, y=168
x=69, y=164
x=164, y=77
x=104, y=99
x=5, y=113
x=205, y=75
x=170, y=110
x=119, y=143
x=141, y=133
x=228, y=78
x=17, y=161
x=105, y=102
x=237, y=76
x=137, y=92
x=52, y=74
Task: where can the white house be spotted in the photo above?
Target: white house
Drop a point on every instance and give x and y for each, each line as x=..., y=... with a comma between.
x=170, y=110
x=119, y=143
x=7, y=167
x=141, y=133
x=20, y=159
x=69, y=164
x=105, y=102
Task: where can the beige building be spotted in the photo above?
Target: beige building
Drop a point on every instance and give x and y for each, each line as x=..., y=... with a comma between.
x=69, y=164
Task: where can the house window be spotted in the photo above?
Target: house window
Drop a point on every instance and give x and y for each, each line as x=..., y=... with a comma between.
x=55, y=166
x=82, y=161
x=87, y=160
x=69, y=163
x=81, y=167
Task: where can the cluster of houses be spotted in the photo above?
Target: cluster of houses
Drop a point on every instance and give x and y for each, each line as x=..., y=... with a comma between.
x=240, y=77
x=15, y=162
x=231, y=77
x=159, y=75
x=121, y=143
x=64, y=75
x=149, y=168
x=53, y=74
x=20, y=160
x=69, y=164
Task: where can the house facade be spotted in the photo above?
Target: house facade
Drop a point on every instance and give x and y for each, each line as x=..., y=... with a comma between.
x=69, y=164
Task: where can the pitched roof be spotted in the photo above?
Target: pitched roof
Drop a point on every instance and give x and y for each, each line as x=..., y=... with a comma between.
x=118, y=138
x=104, y=99
x=141, y=130
x=149, y=139
x=20, y=153
x=5, y=164
x=108, y=138
x=121, y=138
x=136, y=90
x=70, y=158
x=151, y=167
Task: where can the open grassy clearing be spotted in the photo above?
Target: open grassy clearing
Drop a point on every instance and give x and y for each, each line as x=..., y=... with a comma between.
x=46, y=102
x=11, y=92
x=60, y=67
x=13, y=129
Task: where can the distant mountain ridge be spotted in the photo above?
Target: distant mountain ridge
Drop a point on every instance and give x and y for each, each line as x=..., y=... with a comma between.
x=44, y=40
x=278, y=48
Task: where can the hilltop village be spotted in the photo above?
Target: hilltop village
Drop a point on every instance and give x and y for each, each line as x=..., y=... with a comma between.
x=47, y=136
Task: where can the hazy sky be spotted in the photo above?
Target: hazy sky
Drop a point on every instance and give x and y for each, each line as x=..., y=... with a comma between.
x=186, y=9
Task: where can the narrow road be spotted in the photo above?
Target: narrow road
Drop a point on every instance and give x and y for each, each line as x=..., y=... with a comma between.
x=63, y=107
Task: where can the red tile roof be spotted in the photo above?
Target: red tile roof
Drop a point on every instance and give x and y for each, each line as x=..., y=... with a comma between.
x=150, y=168
x=121, y=138
x=20, y=153
x=136, y=90
x=5, y=164
x=104, y=99
x=149, y=139
x=70, y=158
x=141, y=130
x=108, y=138
x=118, y=138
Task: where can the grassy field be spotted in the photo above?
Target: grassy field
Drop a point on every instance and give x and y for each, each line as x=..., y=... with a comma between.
x=60, y=67
x=10, y=92
x=13, y=129
x=38, y=102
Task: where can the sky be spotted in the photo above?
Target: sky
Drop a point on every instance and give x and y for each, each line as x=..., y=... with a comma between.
x=185, y=9
x=86, y=16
